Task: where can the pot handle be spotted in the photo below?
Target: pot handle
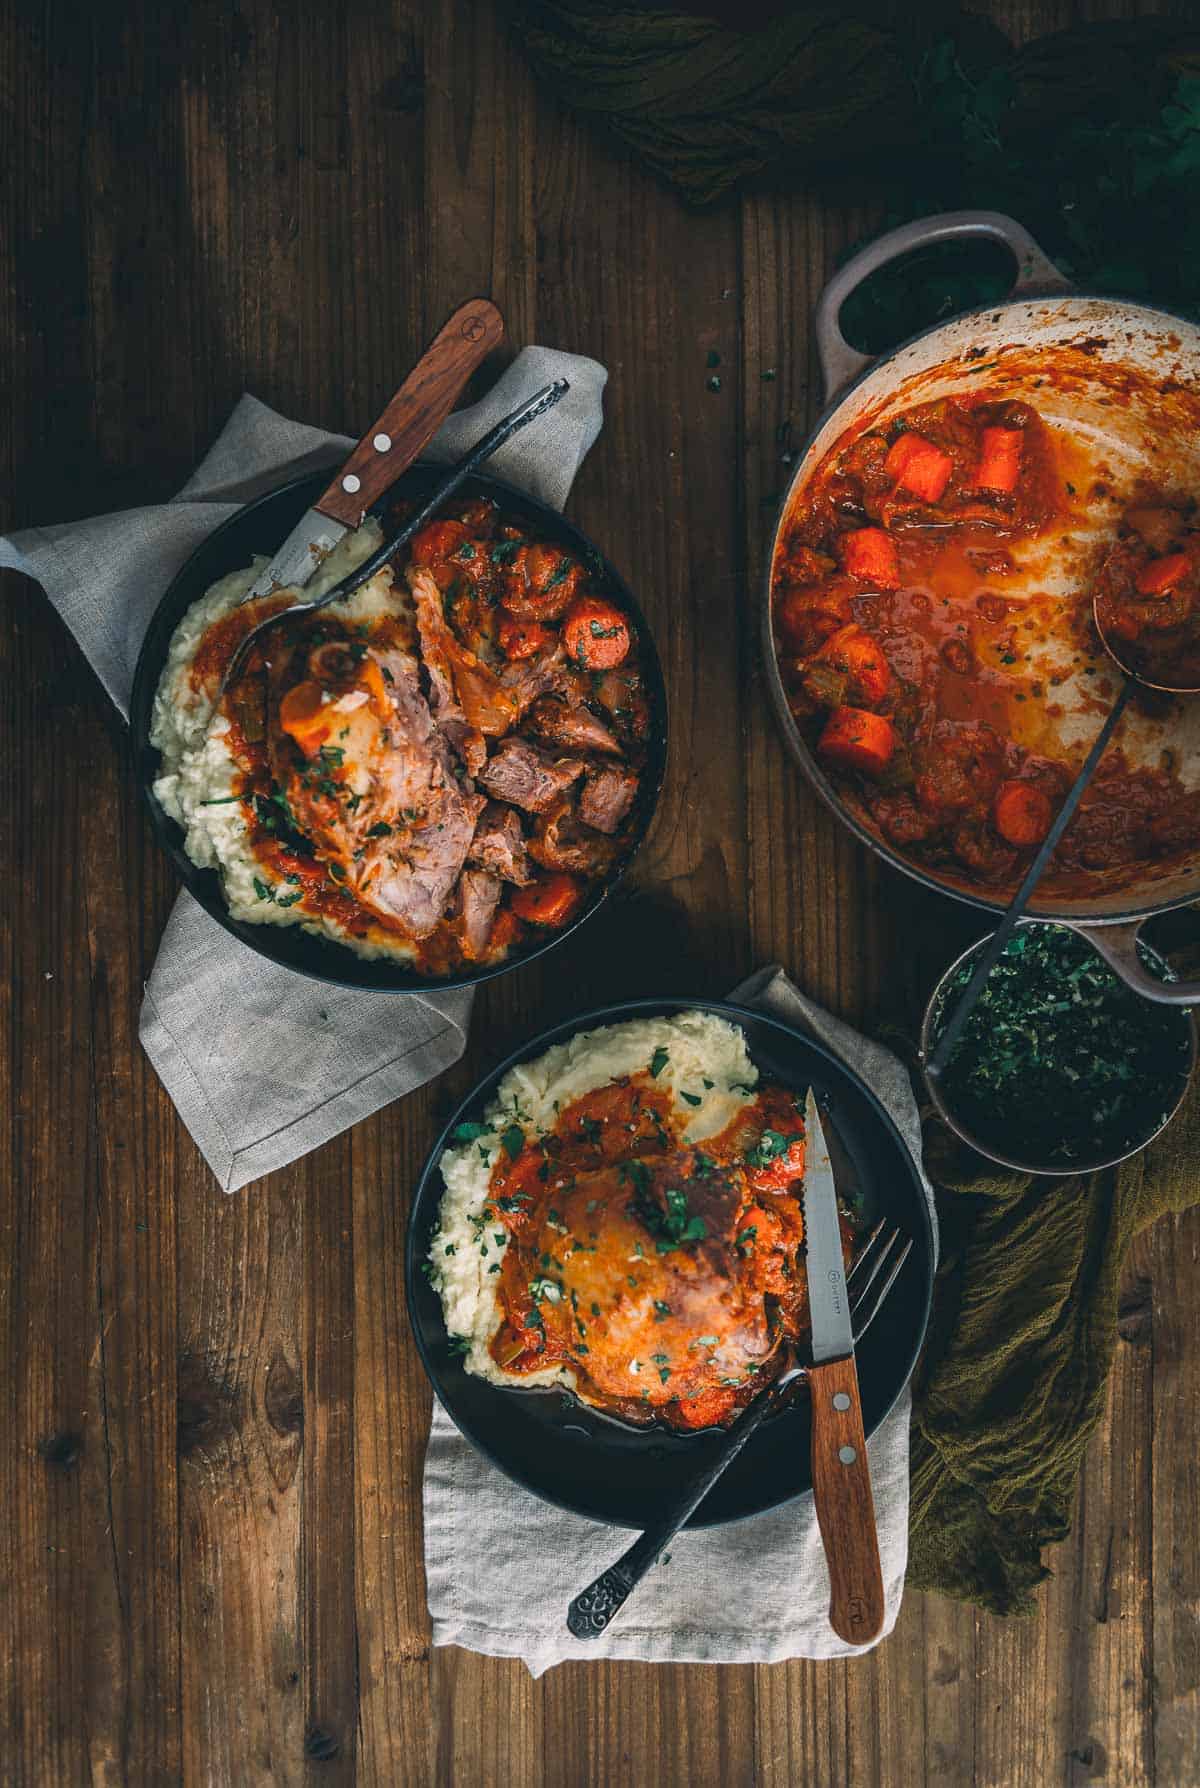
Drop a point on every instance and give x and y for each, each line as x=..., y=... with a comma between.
x=1036, y=272
x=1118, y=946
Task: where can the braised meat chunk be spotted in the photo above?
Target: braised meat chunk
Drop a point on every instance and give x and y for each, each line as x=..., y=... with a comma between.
x=528, y=777
x=499, y=845
x=606, y=797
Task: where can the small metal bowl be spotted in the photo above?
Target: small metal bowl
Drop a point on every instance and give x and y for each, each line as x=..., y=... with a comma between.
x=1173, y=1097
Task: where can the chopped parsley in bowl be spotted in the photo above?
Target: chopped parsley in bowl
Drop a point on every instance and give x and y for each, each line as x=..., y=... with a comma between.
x=1061, y=1067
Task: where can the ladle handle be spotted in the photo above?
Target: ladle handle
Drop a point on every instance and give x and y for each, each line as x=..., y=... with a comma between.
x=1118, y=944
x=998, y=942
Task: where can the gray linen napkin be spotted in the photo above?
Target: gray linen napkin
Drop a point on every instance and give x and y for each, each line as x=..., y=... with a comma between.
x=753, y=1592
x=263, y=1064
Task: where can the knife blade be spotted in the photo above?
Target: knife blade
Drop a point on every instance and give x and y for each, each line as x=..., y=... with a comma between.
x=829, y=1301
x=841, y=1474
x=390, y=445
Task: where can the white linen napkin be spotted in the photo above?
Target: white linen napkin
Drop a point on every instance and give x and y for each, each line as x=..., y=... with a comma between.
x=264, y=1064
x=501, y=1566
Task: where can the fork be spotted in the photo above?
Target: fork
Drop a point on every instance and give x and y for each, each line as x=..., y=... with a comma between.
x=868, y=1282
x=447, y=484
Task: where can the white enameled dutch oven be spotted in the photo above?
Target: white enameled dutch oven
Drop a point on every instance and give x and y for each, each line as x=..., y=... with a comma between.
x=1123, y=380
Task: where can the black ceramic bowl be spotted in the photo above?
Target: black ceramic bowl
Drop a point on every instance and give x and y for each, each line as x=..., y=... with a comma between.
x=585, y=1461
x=260, y=528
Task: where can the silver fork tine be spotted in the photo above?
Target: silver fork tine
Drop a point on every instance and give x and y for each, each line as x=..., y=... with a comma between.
x=861, y=1326
x=878, y=1260
x=863, y=1253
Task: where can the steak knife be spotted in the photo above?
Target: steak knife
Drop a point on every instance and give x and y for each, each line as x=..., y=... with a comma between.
x=389, y=446
x=840, y=1473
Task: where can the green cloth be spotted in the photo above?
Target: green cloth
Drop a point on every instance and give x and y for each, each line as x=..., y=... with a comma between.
x=1090, y=136
x=1023, y=1336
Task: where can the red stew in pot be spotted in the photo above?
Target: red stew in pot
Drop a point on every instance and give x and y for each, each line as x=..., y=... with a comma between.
x=900, y=657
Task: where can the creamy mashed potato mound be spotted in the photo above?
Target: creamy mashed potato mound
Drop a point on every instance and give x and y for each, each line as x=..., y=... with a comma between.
x=700, y=1047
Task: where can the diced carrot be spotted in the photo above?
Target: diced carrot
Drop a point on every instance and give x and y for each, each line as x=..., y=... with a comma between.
x=869, y=554
x=371, y=675
x=304, y=714
x=595, y=634
x=550, y=900
x=520, y=638
x=436, y=541
x=1022, y=813
x=853, y=651
x=917, y=466
x=856, y=739
x=1161, y=575
x=999, y=459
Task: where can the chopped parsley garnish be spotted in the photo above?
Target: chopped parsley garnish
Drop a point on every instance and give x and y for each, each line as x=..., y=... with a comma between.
x=690, y=1098
x=466, y=550
x=671, y=1227
x=288, y=899
x=658, y=1061
x=262, y=891
x=505, y=551
x=661, y=1310
x=770, y=1145
x=220, y=800
x=599, y=631
x=545, y=1288
x=513, y=1141
x=460, y=1344
x=468, y=1132
x=380, y=829
x=333, y=754
x=747, y=1239
x=559, y=576
x=590, y=1128
x=1059, y=1054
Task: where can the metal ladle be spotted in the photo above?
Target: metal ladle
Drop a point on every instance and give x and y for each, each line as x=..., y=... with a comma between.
x=998, y=943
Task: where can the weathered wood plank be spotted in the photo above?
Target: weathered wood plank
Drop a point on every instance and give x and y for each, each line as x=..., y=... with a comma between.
x=1169, y=1256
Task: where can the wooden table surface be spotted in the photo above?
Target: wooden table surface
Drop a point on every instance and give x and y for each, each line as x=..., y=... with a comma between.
x=213, y=1413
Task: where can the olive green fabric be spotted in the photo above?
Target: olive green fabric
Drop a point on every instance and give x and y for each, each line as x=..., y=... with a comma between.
x=1091, y=136
x=1023, y=1336
x=705, y=106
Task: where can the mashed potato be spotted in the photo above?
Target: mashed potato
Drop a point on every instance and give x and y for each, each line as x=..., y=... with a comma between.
x=198, y=776
x=702, y=1063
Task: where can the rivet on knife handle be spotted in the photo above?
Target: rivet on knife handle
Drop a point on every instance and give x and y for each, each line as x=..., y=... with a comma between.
x=415, y=413
x=845, y=1506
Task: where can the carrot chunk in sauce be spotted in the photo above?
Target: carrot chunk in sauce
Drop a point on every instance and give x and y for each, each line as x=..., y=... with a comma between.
x=917, y=466
x=869, y=554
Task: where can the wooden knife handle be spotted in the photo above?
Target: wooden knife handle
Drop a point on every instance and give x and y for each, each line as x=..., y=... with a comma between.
x=416, y=412
x=845, y=1508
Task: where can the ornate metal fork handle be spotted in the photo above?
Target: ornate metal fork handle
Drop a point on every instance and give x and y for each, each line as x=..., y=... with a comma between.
x=869, y=1284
